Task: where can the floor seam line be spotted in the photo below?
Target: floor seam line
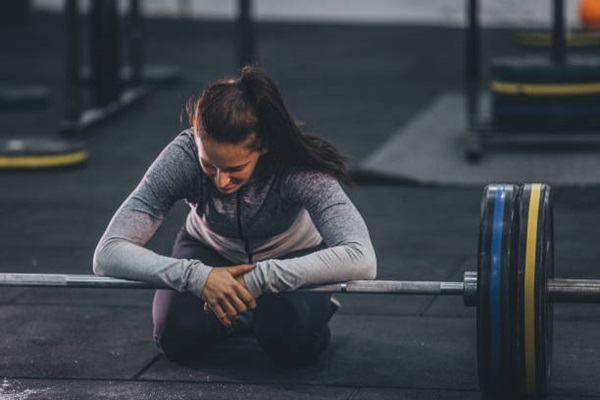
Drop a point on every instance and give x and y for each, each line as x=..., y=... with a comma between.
x=146, y=367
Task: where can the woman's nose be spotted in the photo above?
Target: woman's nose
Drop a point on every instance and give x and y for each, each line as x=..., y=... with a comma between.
x=222, y=178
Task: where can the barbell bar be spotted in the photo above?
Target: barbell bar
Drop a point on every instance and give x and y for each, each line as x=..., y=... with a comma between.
x=513, y=289
x=558, y=290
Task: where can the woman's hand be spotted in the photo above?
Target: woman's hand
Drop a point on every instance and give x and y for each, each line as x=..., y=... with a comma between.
x=225, y=292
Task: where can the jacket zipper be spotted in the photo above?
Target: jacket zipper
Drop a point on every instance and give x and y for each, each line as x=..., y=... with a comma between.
x=239, y=223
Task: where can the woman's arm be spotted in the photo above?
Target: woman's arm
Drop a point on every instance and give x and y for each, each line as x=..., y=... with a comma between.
x=121, y=253
x=349, y=254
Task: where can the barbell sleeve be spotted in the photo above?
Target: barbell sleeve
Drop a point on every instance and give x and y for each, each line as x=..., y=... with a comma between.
x=573, y=290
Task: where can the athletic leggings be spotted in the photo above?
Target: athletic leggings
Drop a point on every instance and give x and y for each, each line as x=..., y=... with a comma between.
x=290, y=327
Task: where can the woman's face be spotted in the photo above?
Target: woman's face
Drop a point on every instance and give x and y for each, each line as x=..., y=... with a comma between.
x=228, y=165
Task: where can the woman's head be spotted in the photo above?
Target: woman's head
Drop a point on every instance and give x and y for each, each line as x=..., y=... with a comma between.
x=248, y=112
x=231, y=109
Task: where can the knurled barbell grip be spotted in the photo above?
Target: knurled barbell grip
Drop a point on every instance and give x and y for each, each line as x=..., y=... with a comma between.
x=392, y=287
x=71, y=281
x=359, y=286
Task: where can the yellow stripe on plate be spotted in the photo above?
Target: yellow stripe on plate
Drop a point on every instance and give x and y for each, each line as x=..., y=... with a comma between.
x=545, y=89
x=58, y=160
x=530, y=261
x=572, y=39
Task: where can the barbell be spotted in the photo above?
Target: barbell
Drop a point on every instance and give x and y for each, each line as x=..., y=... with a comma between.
x=513, y=289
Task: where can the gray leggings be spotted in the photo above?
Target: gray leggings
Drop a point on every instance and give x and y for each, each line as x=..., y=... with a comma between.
x=290, y=327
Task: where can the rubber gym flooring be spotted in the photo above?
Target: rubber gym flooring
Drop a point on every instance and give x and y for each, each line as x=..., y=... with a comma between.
x=356, y=85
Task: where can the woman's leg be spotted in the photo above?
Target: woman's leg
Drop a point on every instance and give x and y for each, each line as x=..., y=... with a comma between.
x=182, y=330
x=292, y=327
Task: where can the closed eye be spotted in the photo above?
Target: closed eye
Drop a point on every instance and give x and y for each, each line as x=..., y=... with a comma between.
x=236, y=169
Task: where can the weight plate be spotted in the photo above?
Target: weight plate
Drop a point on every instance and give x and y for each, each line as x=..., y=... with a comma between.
x=567, y=112
x=534, y=92
x=22, y=97
x=29, y=153
x=497, y=235
x=572, y=39
x=534, y=69
x=533, y=316
x=587, y=90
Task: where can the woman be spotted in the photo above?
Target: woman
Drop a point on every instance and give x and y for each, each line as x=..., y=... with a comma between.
x=267, y=216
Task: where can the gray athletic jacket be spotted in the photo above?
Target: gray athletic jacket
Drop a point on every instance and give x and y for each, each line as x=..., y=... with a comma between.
x=279, y=210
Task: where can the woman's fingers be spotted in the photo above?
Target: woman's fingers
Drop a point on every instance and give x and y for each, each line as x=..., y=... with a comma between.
x=238, y=303
x=241, y=291
x=229, y=306
x=241, y=269
x=246, y=297
x=220, y=314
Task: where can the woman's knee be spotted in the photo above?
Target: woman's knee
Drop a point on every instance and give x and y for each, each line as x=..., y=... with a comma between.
x=183, y=347
x=292, y=330
x=296, y=349
x=292, y=312
x=182, y=331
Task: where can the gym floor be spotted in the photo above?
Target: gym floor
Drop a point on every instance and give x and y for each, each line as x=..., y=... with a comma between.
x=355, y=85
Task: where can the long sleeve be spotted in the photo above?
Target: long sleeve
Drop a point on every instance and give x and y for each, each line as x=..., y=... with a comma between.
x=349, y=254
x=121, y=253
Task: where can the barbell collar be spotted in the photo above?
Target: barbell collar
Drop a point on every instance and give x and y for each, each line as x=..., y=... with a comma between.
x=470, y=298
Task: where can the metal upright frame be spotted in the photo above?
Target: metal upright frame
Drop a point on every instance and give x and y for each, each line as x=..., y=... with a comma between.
x=107, y=92
x=480, y=128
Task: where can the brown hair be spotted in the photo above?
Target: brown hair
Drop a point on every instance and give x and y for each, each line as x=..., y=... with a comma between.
x=230, y=109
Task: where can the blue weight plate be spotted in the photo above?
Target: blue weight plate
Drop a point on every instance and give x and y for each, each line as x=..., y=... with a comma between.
x=496, y=238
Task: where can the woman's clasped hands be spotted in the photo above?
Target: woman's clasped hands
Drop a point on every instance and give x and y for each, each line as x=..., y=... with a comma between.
x=225, y=293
